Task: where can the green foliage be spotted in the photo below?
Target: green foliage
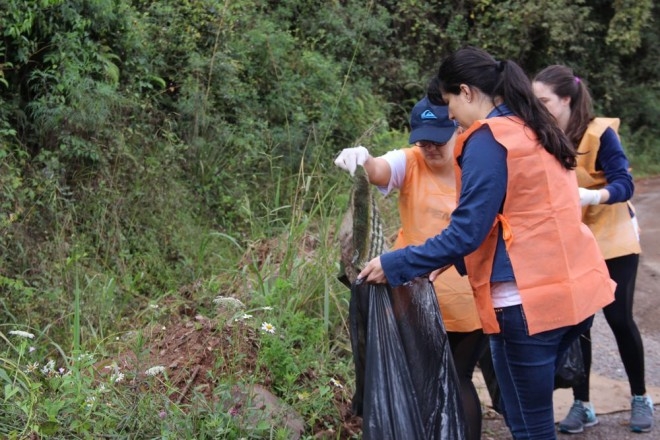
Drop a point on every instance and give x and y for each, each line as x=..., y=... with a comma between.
x=533, y=33
x=289, y=352
x=641, y=145
x=625, y=30
x=63, y=397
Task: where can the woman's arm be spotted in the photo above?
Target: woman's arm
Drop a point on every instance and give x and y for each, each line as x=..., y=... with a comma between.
x=483, y=187
x=614, y=163
x=378, y=170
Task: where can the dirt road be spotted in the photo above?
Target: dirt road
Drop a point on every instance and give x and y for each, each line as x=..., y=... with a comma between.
x=609, y=389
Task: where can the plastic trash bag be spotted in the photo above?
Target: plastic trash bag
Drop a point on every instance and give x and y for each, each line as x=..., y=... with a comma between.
x=570, y=367
x=406, y=384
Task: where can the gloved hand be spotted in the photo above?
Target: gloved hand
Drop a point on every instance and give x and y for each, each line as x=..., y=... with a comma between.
x=350, y=158
x=589, y=196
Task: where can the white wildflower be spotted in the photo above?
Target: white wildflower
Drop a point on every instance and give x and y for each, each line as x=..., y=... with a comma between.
x=31, y=349
x=31, y=368
x=116, y=378
x=243, y=317
x=268, y=327
x=22, y=334
x=155, y=370
x=49, y=367
x=267, y=308
x=89, y=401
x=85, y=357
x=229, y=301
x=336, y=383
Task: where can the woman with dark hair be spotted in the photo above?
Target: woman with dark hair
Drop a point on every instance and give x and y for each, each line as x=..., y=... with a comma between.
x=606, y=187
x=516, y=232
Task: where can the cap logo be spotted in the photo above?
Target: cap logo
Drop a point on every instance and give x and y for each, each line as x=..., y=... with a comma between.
x=428, y=114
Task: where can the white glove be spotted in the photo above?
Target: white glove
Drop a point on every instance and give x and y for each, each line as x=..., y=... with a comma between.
x=350, y=158
x=589, y=196
x=636, y=226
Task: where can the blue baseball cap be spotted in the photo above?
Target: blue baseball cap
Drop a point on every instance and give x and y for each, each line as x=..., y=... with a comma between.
x=429, y=122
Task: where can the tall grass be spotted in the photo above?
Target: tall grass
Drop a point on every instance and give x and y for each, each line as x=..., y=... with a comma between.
x=287, y=263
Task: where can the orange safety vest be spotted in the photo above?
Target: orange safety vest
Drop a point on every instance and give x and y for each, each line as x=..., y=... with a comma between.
x=560, y=273
x=425, y=206
x=611, y=224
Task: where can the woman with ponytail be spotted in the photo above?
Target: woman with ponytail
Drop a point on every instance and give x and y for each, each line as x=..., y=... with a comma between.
x=606, y=187
x=516, y=232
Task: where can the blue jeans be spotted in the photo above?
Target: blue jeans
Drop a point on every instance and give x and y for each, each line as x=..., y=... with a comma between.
x=525, y=369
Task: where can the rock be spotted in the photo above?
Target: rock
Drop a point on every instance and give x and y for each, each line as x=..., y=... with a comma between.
x=258, y=404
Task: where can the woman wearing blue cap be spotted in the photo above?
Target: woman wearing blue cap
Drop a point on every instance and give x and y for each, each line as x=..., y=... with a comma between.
x=424, y=176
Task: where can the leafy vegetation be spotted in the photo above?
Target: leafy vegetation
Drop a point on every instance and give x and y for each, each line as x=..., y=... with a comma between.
x=157, y=155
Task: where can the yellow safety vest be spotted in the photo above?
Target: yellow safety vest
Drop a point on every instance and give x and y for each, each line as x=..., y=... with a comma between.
x=611, y=224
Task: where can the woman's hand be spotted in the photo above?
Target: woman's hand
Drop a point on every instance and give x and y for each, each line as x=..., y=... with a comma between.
x=373, y=272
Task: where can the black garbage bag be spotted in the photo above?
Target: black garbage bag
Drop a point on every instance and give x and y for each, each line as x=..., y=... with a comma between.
x=406, y=384
x=570, y=369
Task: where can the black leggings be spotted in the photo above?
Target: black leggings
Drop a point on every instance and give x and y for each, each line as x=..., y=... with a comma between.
x=619, y=316
x=467, y=349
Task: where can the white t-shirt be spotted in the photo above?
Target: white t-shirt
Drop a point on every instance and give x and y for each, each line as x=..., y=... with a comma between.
x=397, y=161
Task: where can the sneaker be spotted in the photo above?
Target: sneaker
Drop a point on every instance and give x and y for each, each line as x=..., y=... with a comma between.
x=641, y=419
x=580, y=416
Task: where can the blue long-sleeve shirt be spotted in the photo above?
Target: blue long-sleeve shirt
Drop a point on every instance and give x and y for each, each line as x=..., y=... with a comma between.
x=483, y=188
x=612, y=160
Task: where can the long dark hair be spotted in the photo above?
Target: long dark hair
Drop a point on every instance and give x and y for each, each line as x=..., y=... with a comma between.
x=505, y=79
x=565, y=84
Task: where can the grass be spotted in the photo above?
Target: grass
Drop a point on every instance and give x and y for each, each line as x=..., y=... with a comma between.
x=68, y=379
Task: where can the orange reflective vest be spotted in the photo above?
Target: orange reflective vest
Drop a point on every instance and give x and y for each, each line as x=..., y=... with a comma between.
x=425, y=206
x=560, y=273
x=611, y=224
